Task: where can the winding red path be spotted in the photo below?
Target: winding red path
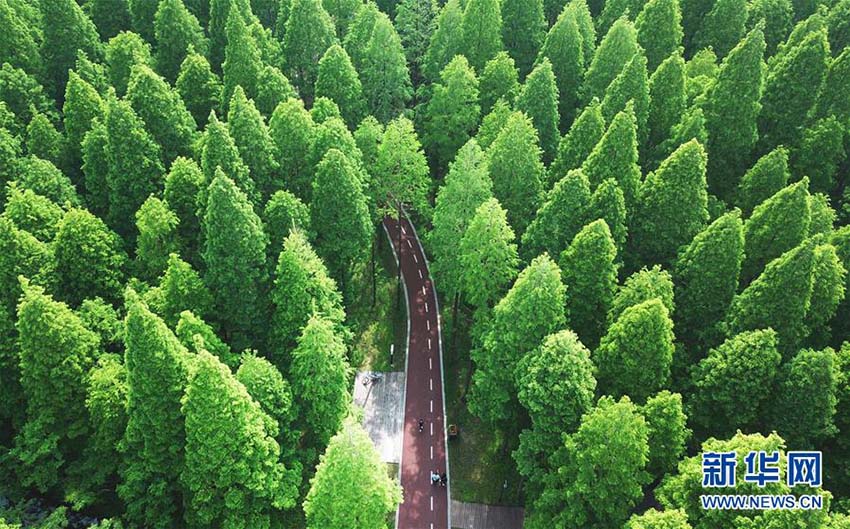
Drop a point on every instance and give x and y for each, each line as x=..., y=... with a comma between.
x=425, y=506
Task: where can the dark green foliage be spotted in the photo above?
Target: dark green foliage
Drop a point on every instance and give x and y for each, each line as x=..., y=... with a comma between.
x=44, y=141
x=293, y=132
x=357, y=38
x=125, y=50
x=94, y=73
x=777, y=225
x=659, y=30
x=641, y=286
x=706, y=278
x=219, y=151
x=668, y=431
x=66, y=29
x=216, y=23
x=631, y=86
x=283, y=213
x=157, y=226
x=564, y=47
x=589, y=270
x=18, y=45
x=666, y=98
x=499, y=80
x=309, y=33
x=731, y=109
x=242, y=61
x=672, y=205
x=248, y=129
x=384, y=73
x=163, y=112
x=723, y=27
x=538, y=99
x=338, y=80
x=23, y=255
x=142, y=15
x=832, y=97
x=513, y=161
x=729, y=383
x=446, y=41
x=180, y=288
x=82, y=105
x=23, y=96
x=828, y=290
x=33, y=213
x=531, y=310
x=523, y=30
x=416, y=21
x=273, y=393
x=577, y=144
x=763, y=180
x=274, y=88
x=176, y=28
x=453, y=112
x=690, y=127
x=89, y=260
x=635, y=355
x=820, y=151
x=198, y=86
x=560, y=218
x=183, y=185
x=778, y=19
x=615, y=51
x=839, y=28
x=197, y=335
x=482, y=32
x=616, y=156
x=95, y=167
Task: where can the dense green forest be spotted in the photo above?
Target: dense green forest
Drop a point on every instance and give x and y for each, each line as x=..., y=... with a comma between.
x=637, y=214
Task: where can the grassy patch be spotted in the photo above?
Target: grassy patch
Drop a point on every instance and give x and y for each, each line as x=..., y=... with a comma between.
x=480, y=462
x=377, y=326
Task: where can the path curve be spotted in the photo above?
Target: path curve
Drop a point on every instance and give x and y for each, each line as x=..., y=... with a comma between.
x=425, y=506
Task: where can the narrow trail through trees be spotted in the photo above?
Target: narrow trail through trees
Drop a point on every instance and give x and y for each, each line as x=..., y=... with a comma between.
x=426, y=505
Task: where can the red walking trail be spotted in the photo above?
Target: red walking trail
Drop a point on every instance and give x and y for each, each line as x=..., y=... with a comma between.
x=425, y=506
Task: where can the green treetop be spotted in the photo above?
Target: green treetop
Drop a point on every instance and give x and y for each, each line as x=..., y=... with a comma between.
x=243, y=64
x=33, y=213
x=125, y=50
x=564, y=47
x=560, y=218
x=765, y=178
x=273, y=88
x=235, y=257
x=487, y=255
x=538, y=99
x=668, y=431
x=176, y=28
x=499, y=80
x=616, y=156
x=183, y=185
x=22, y=254
x=607, y=203
x=219, y=13
x=630, y=86
x=643, y=285
x=254, y=141
x=400, y=174
x=284, y=212
x=309, y=33
x=446, y=41
x=219, y=151
x=654, y=519
x=338, y=80
x=576, y=145
x=293, y=132
x=832, y=98
x=531, y=310
x=667, y=98
x=416, y=23
x=197, y=335
x=181, y=288
x=659, y=30
x=820, y=152
x=95, y=155
x=384, y=74
x=351, y=487
x=359, y=33
x=614, y=52
x=66, y=29
x=453, y=112
x=18, y=45
x=82, y=105
x=157, y=227
x=482, y=32
x=198, y=86
x=44, y=178
x=513, y=161
x=828, y=290
x=523, y=30
x=589, y=269
x=723, y=27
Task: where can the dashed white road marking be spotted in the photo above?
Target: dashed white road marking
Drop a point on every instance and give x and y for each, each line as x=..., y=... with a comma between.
x=420, y=274
x=408, y=244
x=432, y=451
x=429, y=364
x=432, y=503
x=428, y=323
x=426, y=306
x=432, y=411
x=429, y=343
x=404, y=231
x=424, y=292
x=415, y=260
x=431, y=383
x=432, y=430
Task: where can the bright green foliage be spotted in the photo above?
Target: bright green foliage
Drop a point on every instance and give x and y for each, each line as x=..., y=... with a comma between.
x=777, y=225
x=690, y=127
x=453, y=112
x=643, y=285
x=723, y=27
x=828, y=280
x=778, y=19
x=242, y=61
x=358, y=35
x=33, y=213
x=94, y=73
x=585, y=26
x=613, y=54
x=482, y=32
x=499, y=80
x=560, y=218
x=351, y=487
x=523, y=30
x=668, y=431
x=152, y=447
x=66, y=29
x=635, y=355
x=320, y=378
x=820, y=152
x=293, y=132
x=706, y=278
x=493, y=123
x=384, y=74
x=55, y=353
x=219, y=152
x=95, y=167
x=607, y=203
x=44, y=141
x=157, y=239
x=82, y=105
x=198, y=86
x=44, y=178
x=101, y=318
x=589, y=270
x=531, y=310
x=577, y=144
x=556, y=386
x=273, y=89
x=337, y=80
x=248, y=129
x=23, y=97
x=283, y=213
x=89, y=261
x=163, y=112
x=832, y=98
x=182, y=187
x=416, y=22
x=564, y=48
x=631, y=86
x=731, y=109
x=181, y=288
x=467, y=185
x=340, y=216
x=765, y=178
x=368, y=139
x=513, y=161
x=653, y=519
x=197, y=336
x=729, y=383
x=309, y=33
x=823, y=216
x=18, y=45
x=302, y=288
x=585, y=470
x=400, y=173
x=779, y=298
x=273, y=393
x=135, y=170
x=487, y=255
x=538, y=99
x=788, y=95
x=806, y=391
x=235, y=257
x=22, y=254
x=659, y=30
x=229, y=453
x=219, y=13
x=672, y=205
x=125, y=50
x=446, y=41
x=616, y=156
x=666, y=98
x=176, y=29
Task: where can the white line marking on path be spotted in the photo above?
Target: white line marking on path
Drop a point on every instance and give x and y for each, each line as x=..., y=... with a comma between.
x=424, y=293
x=429, y=363
x=431, y=383
x=415, y=260
x=432, y=409
x=404, y=231
x=426, y=306
x=432, y=451
x=408, y=244
x=432, y=503
x=428, y=323
x=432, y=429
x=420, y=274
x=429, y=344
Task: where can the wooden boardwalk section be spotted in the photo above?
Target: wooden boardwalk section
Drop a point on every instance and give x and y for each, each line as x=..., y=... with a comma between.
x=383, y=411
x=480, y=516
